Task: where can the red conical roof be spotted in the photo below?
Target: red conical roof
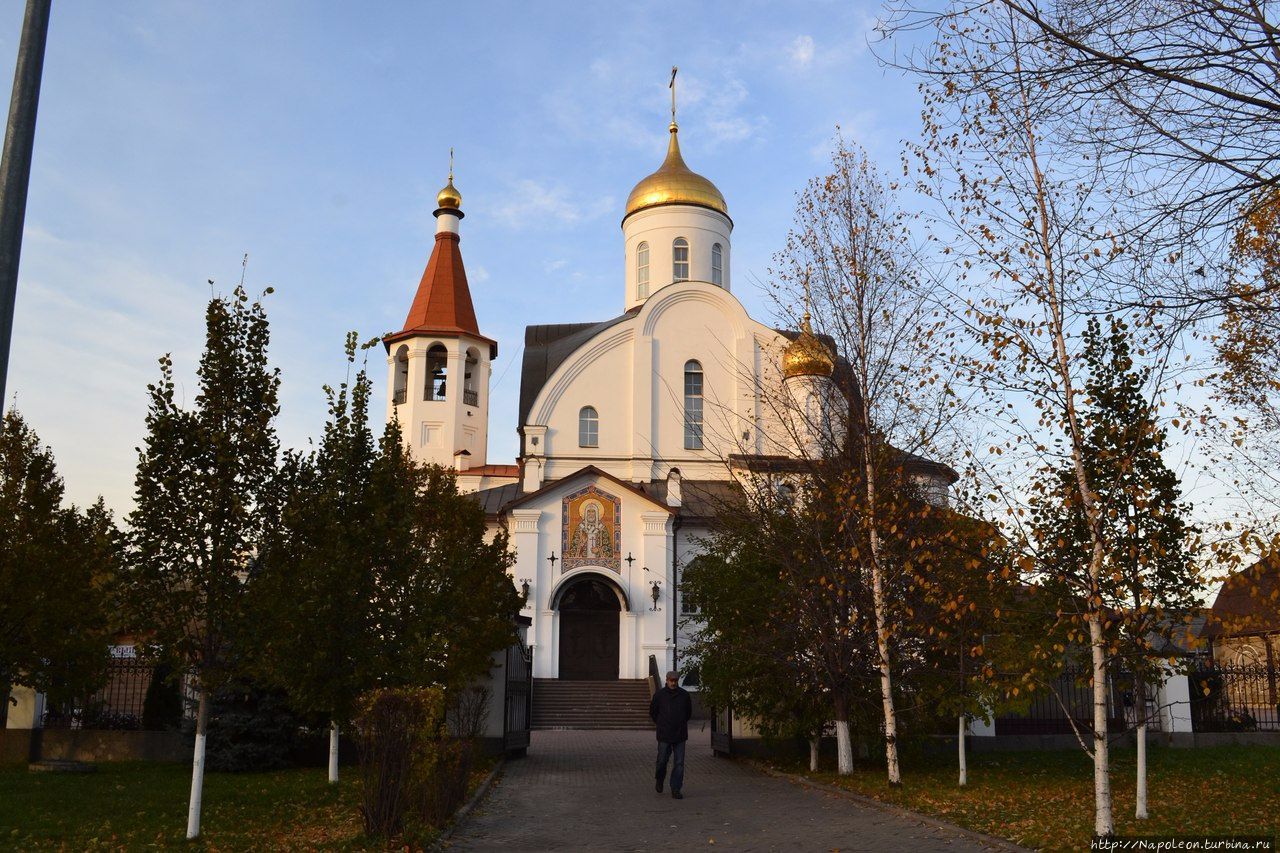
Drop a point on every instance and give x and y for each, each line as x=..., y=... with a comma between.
x=442, y=305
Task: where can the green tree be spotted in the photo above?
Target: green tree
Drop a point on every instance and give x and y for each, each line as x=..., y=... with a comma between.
x=442, y=600
x=205, y=495
x=760, y=645
x=311, y=598
x=1149, y=582
x=378, y=576
x=57, y=570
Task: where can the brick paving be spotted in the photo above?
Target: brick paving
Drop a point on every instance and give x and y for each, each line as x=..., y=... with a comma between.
x=593, y=790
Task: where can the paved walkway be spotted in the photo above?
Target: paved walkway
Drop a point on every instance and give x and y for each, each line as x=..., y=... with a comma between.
x=594, y=791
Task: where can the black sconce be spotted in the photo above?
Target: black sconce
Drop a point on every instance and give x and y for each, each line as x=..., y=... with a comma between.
x=524, y=589
x=656, y=593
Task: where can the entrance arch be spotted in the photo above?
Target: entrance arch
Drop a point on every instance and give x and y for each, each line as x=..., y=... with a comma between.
x=590, y=607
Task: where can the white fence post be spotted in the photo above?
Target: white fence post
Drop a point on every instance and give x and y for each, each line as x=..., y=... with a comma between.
x=1175, y=703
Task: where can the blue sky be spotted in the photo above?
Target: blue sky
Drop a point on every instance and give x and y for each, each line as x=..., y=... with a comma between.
x=175, y=137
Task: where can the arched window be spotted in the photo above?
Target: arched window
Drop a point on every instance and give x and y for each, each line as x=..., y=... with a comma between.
x=588, y=427
x=692, y=405
x=680, y=260
x=717, y=265
x=642, y=270
x=401, y=376
x=437, y=370
x=471, y=379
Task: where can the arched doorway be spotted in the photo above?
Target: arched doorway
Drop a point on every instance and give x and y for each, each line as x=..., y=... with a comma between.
x=589, y=612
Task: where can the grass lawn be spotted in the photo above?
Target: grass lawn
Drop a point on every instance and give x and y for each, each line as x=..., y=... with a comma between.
x=136, y=805
x=1045, y=799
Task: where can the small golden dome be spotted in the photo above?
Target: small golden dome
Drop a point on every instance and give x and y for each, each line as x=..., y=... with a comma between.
x=449, y=198
x=806, y=355
x=675, y=183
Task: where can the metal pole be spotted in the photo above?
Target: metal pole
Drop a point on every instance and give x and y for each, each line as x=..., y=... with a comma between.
x=15, y=166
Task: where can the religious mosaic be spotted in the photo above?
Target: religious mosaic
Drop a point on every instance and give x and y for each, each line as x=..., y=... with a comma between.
x=591, y=530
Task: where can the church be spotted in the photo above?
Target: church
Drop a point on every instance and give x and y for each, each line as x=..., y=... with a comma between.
x=632, y=429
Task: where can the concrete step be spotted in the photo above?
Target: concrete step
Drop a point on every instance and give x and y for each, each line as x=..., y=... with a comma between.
x=607, y=705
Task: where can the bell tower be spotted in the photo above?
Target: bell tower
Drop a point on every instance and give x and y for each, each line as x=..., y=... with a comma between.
x=438, y=364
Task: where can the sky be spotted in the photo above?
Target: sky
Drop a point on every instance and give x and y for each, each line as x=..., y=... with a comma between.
x=173, y=138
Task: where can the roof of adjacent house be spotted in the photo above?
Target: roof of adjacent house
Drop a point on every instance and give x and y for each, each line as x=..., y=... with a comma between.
x=1249, y=601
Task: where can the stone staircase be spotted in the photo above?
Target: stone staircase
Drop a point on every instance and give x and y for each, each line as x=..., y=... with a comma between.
x=621, y=704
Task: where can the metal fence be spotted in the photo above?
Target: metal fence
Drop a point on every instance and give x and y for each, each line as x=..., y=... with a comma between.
x=1066, y=706
x=119, y=705
x=1235, y=698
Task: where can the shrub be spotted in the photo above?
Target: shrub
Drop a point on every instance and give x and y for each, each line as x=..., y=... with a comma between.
x=397, y=734
x=416, y=757
x=446, y=782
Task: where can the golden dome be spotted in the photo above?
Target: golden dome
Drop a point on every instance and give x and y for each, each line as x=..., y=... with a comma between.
x=675, y=183
x=449, y=198
x=806, y=355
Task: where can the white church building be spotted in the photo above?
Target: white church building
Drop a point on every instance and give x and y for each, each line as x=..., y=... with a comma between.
x=632, y=429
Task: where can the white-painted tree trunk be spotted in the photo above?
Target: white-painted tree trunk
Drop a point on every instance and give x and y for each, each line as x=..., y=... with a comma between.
x=844, y=748
x=886, y=676
x=813, y=754
x=197, y=767
x=333, y=754
x=1140, y=810
x=964, y=766
x=1103, y=824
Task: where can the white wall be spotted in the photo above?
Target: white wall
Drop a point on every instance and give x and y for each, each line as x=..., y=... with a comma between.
x=633, y=375
x=455, y=425
x=659, y=227
x=536, y=533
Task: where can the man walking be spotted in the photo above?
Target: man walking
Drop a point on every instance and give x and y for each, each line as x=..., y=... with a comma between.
x=671, y=708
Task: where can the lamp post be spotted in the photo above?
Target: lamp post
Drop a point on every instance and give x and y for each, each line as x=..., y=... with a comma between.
x=15, y=166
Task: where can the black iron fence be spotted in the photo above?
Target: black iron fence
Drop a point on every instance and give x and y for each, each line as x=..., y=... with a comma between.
x=1066, y=706
x=1235, y=698
x=518, y=701
x=122, y=703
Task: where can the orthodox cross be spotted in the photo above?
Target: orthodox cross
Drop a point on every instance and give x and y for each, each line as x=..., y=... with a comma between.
x=552, y=559
x=672, y=87
x=630, y=559
x=450, y=164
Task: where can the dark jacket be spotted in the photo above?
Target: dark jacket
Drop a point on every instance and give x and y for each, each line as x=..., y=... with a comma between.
x=671, y=710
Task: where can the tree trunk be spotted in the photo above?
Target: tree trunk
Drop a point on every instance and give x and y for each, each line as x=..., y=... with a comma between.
x=197, y=766
x=964, y=766
x=1102, y=821
x=844, y=747
x=813, y=754
x=1140, y=811
x=333, y=753
x=886, y=676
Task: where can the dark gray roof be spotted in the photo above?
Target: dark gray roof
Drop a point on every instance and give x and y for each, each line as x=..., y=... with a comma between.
x=700, y=500
x=546, y=347
x=493, y=500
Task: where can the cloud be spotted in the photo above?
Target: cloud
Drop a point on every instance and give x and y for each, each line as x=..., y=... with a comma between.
x=801, y=51
x=532, y=204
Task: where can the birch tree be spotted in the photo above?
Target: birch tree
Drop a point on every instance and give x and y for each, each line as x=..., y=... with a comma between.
x=1149, y=581
x=205, y=497
x=850, y=258
x=1030, y=227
